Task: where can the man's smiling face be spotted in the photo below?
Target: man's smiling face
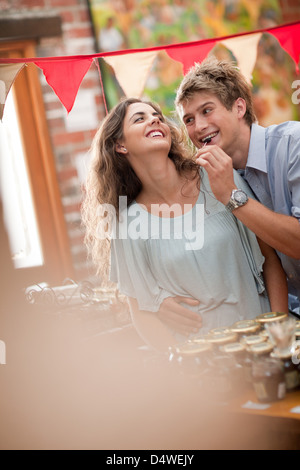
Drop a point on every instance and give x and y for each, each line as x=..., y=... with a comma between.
x=205, y=117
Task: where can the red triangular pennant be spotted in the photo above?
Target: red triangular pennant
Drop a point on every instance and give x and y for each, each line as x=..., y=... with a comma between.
x=188, y=55
x=65, y=77
x=288, y=36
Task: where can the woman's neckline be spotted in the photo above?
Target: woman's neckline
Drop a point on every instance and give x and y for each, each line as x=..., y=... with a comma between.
x=144, y=209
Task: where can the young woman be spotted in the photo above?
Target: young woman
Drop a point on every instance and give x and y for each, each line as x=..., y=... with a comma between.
x=185, y=262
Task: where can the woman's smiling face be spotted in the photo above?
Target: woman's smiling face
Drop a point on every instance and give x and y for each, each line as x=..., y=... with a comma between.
x=144, y=130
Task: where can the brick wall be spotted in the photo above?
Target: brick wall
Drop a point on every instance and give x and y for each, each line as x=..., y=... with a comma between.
x=71, y=138
x=70, y=142
x=71, y=135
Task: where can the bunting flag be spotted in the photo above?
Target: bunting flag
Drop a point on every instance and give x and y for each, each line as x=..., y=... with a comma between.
x=188, y=55
x=65, y=74
x=238, y=46
x=132, y=71
x=289, y=41
x=8, y=74
x=65, y=77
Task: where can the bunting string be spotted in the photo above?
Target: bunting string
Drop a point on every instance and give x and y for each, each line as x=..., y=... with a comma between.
x=132, y=66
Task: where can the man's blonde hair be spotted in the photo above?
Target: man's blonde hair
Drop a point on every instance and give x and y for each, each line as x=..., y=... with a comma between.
x=220, y=78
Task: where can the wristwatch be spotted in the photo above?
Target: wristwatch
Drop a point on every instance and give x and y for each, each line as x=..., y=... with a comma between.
x=237, y=199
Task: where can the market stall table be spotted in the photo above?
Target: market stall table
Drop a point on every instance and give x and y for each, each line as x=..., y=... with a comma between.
x=281, y=419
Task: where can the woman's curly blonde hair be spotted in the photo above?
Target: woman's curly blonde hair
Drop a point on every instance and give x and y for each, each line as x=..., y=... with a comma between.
x=111, y=176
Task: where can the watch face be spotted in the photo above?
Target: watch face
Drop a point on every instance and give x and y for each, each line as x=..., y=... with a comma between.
x=240, y=196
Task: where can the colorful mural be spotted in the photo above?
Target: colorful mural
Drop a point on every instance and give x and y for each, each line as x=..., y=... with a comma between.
x=134, y=24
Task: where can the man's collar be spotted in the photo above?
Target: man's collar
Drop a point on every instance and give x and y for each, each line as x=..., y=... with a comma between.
x=257, y=153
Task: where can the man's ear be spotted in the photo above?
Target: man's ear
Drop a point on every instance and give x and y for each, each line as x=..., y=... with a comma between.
x=241, y=107
x=120, y=148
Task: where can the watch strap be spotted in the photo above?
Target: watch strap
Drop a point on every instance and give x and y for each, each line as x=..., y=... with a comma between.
x=233, y=203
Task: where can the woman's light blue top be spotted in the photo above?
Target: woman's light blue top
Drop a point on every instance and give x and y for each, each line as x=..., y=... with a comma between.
x=206, y=254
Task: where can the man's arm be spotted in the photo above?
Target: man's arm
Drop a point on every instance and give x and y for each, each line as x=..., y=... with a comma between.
x=275, y=279
x=153, y=326
x=282, y=232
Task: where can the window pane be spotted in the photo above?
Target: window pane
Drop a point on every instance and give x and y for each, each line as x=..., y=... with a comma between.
x=18, y=208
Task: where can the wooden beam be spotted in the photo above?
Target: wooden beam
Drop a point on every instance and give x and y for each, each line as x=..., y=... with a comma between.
x=17, y=27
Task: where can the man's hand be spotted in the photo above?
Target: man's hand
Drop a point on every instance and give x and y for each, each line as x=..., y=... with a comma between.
x=179, y=317
x=219, y=169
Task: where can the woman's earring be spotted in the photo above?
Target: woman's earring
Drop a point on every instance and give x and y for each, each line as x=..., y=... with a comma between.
x=120, y=148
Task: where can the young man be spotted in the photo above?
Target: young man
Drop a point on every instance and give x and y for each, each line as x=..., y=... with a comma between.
x=215, y=103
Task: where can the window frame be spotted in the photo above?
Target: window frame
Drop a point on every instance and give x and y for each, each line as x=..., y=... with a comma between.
x=40, y=163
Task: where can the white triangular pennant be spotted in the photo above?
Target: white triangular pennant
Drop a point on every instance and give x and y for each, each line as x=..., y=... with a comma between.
x=244, y=49
x=8, y=74
x=132, y=71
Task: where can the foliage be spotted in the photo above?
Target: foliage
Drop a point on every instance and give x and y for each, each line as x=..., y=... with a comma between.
x=146, y=23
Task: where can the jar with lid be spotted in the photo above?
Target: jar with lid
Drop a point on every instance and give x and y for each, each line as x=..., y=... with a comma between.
x=220, y=379
x=237, y=349
x=221, y=330
x=243, y=365
x=291, y=370
x=220, y=339
x=245, y=328
x=260, y=350
x=271, y=317
x=264, y=334
x=253, y=339
x=248, y=342
x=191, y=358
x=268, y=379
